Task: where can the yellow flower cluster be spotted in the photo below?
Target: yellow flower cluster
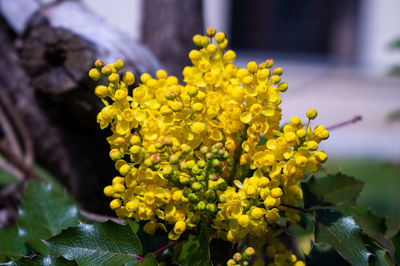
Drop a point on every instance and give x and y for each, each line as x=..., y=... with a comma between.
x=211, y=149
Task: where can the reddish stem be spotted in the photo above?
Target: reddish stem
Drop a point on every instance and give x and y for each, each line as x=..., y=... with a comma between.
x=165, y=247
x=140, y=258
x=345, y=123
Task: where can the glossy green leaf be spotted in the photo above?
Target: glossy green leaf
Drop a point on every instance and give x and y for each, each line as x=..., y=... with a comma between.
x=331, y=190
x=149, y=260
x=343, y=234
x=381, y=258
x=10, y=244
x=195, y=251
x=44, y=213
x=93, y=244
x=41, y=261
x=375, y=227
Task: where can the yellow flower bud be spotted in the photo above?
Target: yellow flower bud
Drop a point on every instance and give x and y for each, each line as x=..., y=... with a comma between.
x=109, y=191
x=134, y=140
x=252, y=67
x=276, y=192
x=272, y=216
x=321, y=156
x=256, y=213
x=210, y=32
x=119, y=188
x=114, y=77
x=194, y=55
x=312, y=113
x=229, y=56
x=128, y=78
x=124, y=169
x=115, y=204
x=220, y=37
x=165, y=110
x=283, y=87
x=211, y=49
x=161, y=74
x=144, y=77
x=295, y=121
x=197, y=39
x=223, y=45
x=95, y=74
x=99, y=63
x=119, y=64
x=180, y=227
x=275, y=79
x=132, y=206
x=277, y=71
x=101, y=91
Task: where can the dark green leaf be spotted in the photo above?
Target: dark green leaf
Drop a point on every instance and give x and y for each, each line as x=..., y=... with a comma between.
x=331, y=190
x=134, y=226
x=343, y=234
x=396, y=242
x=381, y=258
x=93, y=244
x=149, y=260
x=41, y=261
x=374, y=226
x=6, y=178
x=324, y=255
x=44, y=213
x=10, y=244
x=196, y=251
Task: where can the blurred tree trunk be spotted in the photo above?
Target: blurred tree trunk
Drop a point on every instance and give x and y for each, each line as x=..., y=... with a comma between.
x=168, y=28
x=46, y=55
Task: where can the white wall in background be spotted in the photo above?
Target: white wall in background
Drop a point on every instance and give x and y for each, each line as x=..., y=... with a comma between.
x=123, y=14
x=127, y=16
x=379, y=25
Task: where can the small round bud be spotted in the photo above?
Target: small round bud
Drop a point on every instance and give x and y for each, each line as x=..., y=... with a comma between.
x=211, y=49
x=269, y=63
x=119, y=64
x=115, y=154
x=101, y=91
x=252, y=67
x=204, y=41
x=192, y=197
x=201, y=206
x=210, y=32
x=275, y=79
x=237, y=256
x=277, y=71
x=211, y=195
x=106, y=70
x=283, y=87
x=95, y=74
x=229, y=56
x=128, y=78
x=115, y=204
x=209, y=155
x=114, y=77
x=211, y=207
x=125, y=169
x=312, y=113
x=196, y=186
x=204, y=149
x=174, y=159
x=109, y=191
x=220, y=37
x=224, y=44
x=161, y=74
x=197, y=39
x=99, y=63
x=249, y=252
x=216, y=163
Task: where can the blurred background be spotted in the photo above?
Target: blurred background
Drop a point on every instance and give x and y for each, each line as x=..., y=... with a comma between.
x=340, y=57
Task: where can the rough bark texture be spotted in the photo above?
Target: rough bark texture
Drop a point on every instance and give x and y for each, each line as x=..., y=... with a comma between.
x=45, y=60
x=168, y=28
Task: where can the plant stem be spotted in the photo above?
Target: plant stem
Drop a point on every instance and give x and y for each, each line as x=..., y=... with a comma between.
x=345, y=123
x=165, y=247
x=296, y=208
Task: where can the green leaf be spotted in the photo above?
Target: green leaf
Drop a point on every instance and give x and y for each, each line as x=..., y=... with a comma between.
x=6, y=178
x=324, y=255
x=93, y=244
x=195, y=251
x=396, y=242
x=375, y=227
x=44, y=213
x=10, y=244
x=149, y=260
x=331, y=190
x=343, y=234
x=381, y=259
x=41, y=261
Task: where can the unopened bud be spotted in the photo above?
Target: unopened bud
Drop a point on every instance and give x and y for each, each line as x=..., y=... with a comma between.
x=95, y=74
x=220, y=37
x=210, y=32
x=115, y=154
x=114, y=77
x=283, y=87
x=119, y=64
x=269, y=63
x=277, y=71
x=312, y=113
x=128, y=78
x=99, y=63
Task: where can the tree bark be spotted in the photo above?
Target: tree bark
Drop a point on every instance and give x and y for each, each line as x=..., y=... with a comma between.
x=168, y=28
x=46, y=56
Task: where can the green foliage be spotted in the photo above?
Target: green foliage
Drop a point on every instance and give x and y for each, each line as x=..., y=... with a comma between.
x=44, y=213
x=358, y=236
x=343, y=234
x=41, y=261
x=331, y=190
x=149, y=260
x=100, y=243
x=195, y=250
x=10, y=245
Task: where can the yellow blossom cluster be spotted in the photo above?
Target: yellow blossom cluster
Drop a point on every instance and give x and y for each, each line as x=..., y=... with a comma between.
x=211, y=149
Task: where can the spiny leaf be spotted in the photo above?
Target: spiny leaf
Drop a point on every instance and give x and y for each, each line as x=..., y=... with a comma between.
x=93, y=244
x=44, y=213
x=41, y=261
x=331, y=190
x=10, y=244
x=374, y=226
x=343, y=234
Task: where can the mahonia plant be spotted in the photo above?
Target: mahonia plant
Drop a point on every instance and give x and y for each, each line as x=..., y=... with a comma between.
x=210, y=150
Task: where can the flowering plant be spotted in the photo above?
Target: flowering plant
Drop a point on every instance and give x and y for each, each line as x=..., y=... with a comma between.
x=207, y=175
